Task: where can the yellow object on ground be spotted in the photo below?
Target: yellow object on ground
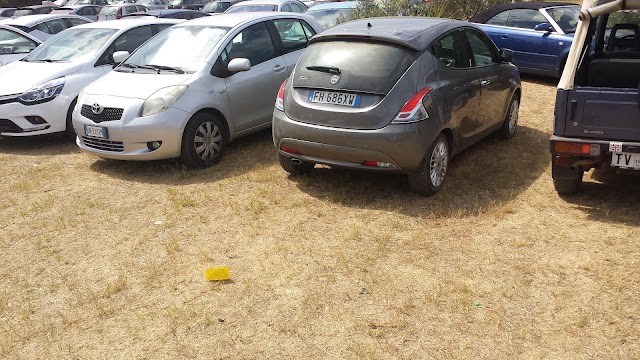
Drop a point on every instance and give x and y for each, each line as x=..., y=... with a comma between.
x=216, y=274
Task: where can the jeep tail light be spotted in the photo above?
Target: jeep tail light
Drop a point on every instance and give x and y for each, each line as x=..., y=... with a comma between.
x=280, y=98
x=576, y=148
x=290, y=150
x=413, y=110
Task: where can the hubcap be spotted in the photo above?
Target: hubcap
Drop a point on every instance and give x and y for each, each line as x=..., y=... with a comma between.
x=438, y=163
x=513, y=116
x=207, y=141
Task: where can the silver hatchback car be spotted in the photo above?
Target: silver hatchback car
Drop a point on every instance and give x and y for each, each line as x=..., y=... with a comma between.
x=397, y=95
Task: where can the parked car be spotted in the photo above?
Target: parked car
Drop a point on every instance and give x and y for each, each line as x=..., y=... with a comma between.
x=540, y=33
x=87, y=2
x=408, y=109
x=267, y=5
x=34, y=10
x=40, y=91
x=218, y=6
x=155, y=4
x=6, y=12
x=330, y=13
x=114, y=12
x=87, y=11
x=176, y=104
x=45, y=26
x=187, y=4
x=597, y=110
x=171, y=14
x=15, y=44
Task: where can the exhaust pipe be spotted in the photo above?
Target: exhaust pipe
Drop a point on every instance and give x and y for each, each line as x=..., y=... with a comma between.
x=296, y=161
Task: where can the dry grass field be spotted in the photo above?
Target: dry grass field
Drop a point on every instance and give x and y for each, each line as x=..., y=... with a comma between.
x=105, y=259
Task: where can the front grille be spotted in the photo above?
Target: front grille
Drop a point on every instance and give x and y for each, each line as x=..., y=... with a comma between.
x=101, y=144
x=107, y=114
x=8, y=126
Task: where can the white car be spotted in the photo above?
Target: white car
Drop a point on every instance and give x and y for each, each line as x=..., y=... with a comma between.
x=190, y=90
x=45, y=26
x=15, y=44
x=39, y=92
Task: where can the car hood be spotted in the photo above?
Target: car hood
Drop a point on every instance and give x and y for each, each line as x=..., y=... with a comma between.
x=138, y=85
x=19, y=76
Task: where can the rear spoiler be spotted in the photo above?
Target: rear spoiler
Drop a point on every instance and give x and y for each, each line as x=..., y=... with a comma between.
x=372, y=37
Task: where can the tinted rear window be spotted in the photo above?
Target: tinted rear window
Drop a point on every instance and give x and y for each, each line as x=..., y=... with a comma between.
x=109, y=10
x=364, y=66
x=23, y=12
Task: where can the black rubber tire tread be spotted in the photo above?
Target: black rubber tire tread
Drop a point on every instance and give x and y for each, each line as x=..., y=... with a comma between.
x=420, y=180
x=567, y=186
x=188, y=153
x=293, y=169
x=69, y=131
x=504, y=132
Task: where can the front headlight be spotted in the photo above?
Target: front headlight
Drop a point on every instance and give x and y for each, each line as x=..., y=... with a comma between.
x=161, y=100
x=44, y=91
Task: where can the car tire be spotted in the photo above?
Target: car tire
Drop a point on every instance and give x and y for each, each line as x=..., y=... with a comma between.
x=568, y=186
x=69, y=131
x=203, y=141
x=295, y=169
x=510, y=124
x=429, y=178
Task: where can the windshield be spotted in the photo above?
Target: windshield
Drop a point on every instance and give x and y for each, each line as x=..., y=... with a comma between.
x=251, y=8
x=566, y=17
x=71, y=45
x=216, y=7
x=331, y=17
x=183, y=48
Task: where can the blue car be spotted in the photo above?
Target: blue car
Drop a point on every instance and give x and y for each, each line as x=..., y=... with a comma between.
x=540, y=33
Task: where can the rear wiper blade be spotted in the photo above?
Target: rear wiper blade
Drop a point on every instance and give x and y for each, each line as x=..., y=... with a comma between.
x=167, y=68
x=327, y=69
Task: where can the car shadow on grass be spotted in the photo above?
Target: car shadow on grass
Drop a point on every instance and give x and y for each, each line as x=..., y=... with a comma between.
x=51, y=144
x=241, y=156
x=486, y=175
x=608, y=197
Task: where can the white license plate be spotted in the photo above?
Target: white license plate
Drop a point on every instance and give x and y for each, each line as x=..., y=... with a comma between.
x=96, y=131
x=335, y=98
x=626, y=160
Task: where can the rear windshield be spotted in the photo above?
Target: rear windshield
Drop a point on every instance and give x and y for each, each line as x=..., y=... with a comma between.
x=109, y=10
x=23, y=12
x=252, y=8
x=216, y=7
x=362, y=66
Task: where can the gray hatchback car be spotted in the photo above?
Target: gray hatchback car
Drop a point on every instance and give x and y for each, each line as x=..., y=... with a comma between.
x=397, y=95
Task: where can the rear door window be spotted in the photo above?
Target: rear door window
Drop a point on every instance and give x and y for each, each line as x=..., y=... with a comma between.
x=359, y=66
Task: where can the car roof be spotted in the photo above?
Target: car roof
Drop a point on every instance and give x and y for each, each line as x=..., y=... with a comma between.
x=333, y=5
x=36, y=7
x=412, y=32
x=128, y=22
x=73, y=7
x=235, y=19
x=484, y=16
x=30, y=20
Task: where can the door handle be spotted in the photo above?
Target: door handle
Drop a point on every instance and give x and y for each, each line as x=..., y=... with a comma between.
x=485, y=82
x=504, y=36
x=278, y=68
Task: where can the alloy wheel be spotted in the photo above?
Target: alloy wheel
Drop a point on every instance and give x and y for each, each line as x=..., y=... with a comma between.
x=438, y=163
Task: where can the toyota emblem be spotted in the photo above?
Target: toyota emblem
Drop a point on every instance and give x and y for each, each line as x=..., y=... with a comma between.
x=96, y=109
x=335, y=79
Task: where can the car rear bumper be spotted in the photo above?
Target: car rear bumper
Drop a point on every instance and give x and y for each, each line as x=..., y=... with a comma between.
x=594, y=152
x=398, y=148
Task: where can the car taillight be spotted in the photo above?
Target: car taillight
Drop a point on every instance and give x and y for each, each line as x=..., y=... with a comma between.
x=280, y=98
x=577, y=148
x=413, y=110
x=290, y=150
x=119, y=13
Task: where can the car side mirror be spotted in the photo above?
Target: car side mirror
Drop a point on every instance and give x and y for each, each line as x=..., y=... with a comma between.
x=120, y=56
x=239, y=64
x=507, y=55
x=546, y=27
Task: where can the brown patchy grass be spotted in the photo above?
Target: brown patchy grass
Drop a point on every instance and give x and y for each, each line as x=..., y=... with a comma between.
x=106, y=259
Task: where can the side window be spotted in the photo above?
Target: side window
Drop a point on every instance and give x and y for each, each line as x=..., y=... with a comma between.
x=450, y=51
x=91, y=11
x=13, y=43
x=297, y=8
x=75, y=22
x=483, y=50
x=500, y=19
x=525, y=18
x=128, y=41
x=286, y=8
x=44, y=28
x=141, y=8
x=293, y=33
x=57, y=25
x=253, y=43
